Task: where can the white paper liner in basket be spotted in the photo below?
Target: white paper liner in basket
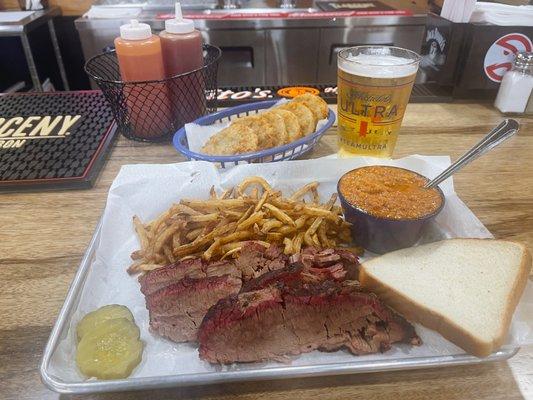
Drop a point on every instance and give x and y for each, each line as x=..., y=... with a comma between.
x=147, y=190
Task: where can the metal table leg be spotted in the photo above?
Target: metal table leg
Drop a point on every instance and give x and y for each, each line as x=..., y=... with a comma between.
x=31, y=63
x=57, y=52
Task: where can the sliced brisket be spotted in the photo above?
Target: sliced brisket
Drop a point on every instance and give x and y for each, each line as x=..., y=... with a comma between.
x=309, y=267
x=177, y=310
x=179, y=295
x=272, y=323
x=295, y=276
x=255, y=259
x=192, y=268
x=311, y=257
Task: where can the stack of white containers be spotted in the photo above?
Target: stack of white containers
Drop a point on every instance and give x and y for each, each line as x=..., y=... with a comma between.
x=458, y=10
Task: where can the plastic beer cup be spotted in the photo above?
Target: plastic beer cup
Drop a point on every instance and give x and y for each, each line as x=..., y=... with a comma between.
x=374, y=86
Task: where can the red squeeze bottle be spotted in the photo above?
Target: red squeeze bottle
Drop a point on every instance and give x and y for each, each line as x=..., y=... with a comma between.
x=183, y=53
x=140, y=59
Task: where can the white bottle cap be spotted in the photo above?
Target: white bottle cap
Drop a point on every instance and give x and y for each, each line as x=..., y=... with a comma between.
x=135, y=31
x=179, y=25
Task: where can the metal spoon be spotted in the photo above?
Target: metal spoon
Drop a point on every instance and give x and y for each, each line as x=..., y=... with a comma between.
x=498, y=135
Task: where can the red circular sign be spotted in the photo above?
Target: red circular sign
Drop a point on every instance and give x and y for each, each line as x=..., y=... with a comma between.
x=500, y=56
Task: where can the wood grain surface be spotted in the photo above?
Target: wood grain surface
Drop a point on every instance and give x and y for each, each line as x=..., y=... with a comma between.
x=43, y=236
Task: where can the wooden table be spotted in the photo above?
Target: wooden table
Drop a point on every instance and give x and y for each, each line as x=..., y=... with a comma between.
x=43, y=236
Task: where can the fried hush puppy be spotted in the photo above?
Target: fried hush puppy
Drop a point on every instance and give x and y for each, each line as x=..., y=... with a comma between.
x=275, y=127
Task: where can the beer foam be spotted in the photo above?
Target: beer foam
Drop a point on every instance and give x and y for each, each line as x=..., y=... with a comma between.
x=378, y=66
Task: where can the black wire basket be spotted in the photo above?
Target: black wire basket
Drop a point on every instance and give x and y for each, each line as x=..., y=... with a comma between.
x=153, y=110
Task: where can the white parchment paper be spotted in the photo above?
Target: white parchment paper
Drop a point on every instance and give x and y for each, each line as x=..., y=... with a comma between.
x=147, y=190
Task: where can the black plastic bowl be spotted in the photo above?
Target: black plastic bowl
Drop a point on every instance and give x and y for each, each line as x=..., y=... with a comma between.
x=381, y=235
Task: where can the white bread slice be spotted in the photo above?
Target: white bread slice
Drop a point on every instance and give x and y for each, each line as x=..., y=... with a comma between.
x=465, y=289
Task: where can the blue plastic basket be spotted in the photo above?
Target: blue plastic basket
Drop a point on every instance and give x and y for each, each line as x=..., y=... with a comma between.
x=281, y=153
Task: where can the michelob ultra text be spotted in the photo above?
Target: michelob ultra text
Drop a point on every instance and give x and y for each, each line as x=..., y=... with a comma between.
x=374, y=86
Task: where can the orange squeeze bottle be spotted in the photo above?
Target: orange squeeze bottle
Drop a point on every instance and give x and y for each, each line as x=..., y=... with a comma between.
x=140, y=59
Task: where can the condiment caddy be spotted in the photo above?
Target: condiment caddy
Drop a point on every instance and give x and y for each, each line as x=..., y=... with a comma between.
x=157, y=83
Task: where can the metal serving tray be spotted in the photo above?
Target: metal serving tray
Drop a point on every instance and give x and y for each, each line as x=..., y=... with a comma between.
x=358, y=365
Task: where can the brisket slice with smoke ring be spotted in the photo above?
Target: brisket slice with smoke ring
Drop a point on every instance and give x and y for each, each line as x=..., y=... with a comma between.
x=288, y=276
x=296, y=275
x=157, y=279
x=179, y=295
x=255, y=260
x=273, y=323
x=309, y=267
x=311, y=257
x=177, y=310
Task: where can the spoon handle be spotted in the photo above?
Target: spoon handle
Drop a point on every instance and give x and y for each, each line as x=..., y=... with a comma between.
x=499, y=134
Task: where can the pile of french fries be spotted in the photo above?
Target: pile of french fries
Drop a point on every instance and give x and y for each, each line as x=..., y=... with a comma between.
x=217, y=228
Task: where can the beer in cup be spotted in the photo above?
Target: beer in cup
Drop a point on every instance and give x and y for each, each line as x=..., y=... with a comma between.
x=374, y=85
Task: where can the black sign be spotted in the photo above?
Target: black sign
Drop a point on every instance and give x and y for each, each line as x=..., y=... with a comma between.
x=53, y=140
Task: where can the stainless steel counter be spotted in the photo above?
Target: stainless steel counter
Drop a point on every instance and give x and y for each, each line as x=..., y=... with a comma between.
x=273, y=51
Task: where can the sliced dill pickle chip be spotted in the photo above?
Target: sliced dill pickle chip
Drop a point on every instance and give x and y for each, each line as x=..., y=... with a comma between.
x=111, y=350
x=105, y=313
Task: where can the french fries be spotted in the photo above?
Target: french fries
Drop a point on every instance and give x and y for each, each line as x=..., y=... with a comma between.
x=218, y=227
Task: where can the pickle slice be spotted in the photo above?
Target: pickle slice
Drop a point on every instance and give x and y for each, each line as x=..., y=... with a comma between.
x=110, y=350
x=105, y=313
